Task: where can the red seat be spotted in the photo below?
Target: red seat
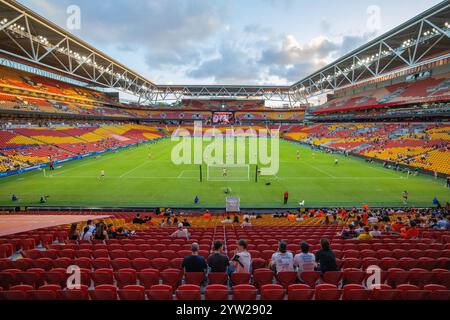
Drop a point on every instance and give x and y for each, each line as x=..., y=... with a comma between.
x=83, y=262
x=355, y=292
x=103, y=292
x=440, y=276
x=160, y=263
x=102, y=276
x=437, y=292
x=190, y=292
x=43, y=263
x=176, y=263
x=75, y=294
x=353, y=276
x=384, y=292
x=286, y=278
x=141, y=264
x=11, y=295
x=116, y=254
x=420, y=277
x=32, y=277
x=125, y=277
x=135, y=254
x=240, y=278
x=216, y=292
x=351, y=263
x=327, y=291
x=332, y=277
x=168, y=254
x=171, y=277
x=62, y=262
x=196, y=278
x=101, y=263
x=272, y=292
x=100, y=253
x=397, y=276
x=262, y=277
x=160, y=292
x=258, y=263
x=426, y=263
x=244, y=292
x=120, y=263
x=43, y=294
x=217, y=278
x=148, y=277
x=310, y=277
x=300, y=292
x=132, y=292
x=411, y=292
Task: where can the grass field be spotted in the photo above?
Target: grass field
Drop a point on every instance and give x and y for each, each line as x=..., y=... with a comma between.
x=134, y=180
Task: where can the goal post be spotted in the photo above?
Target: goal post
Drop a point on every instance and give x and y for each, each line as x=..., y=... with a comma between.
x=228, y=172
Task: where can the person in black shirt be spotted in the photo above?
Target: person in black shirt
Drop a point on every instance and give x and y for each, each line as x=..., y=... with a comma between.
x=194, y=262
x=217, y=261
x=325, y=257
x=138, y=219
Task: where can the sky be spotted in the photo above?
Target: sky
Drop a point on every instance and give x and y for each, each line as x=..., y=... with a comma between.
x=265, y=42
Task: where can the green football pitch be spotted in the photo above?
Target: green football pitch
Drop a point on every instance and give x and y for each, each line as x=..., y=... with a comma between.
x=133, y=179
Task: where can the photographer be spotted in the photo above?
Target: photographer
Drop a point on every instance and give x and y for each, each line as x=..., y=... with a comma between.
x=242, y=260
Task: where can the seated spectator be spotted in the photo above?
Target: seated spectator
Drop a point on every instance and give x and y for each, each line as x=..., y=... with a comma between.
x=304, y=261
x=100, y=232
x=227, y=220
x=149, y=221
x=349, y=233
x=138, y=219
x=398, y=225
x=242, y=260
x=236, y=220
x=411, y=233
x=194, y=262
x=376, y=231
x=325, y=257
x=246, y=223
x=111, y=230
x=73, y=232
x=442, y=223
x=365, y=234
x=186, y=223
x=282, y=260
x=217, y=261
x=181, y=232
x=86, y=235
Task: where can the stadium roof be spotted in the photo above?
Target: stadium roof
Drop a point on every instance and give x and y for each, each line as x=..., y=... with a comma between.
x=28, y=37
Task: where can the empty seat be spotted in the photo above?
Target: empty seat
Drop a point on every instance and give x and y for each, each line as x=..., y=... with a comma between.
x=300, y=292
x=132, y=292
x=272, y=292
x=244, y=292
x=189, y=292
x=160, y=292
x=216, y=292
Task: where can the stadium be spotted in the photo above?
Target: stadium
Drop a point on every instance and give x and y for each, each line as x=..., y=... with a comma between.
x=226, y=192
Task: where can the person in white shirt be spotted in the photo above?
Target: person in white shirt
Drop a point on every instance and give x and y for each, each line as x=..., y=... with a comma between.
x=242, y=260
x=372, y=219
x=305, y=261
x=86, y=235
x=246, y=223
x=181, y=232
x=227, y=220
x=282, y=260
x=375, y=232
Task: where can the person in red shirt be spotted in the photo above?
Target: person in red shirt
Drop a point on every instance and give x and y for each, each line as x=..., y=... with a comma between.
x=411, y=233
x=286, y=197
x=398, y=225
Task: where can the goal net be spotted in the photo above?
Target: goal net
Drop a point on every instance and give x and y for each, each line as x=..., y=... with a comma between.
x=227, y=172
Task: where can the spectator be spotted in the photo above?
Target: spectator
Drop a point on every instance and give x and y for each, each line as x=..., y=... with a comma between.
x=100, y=232
x=236, y=220
x=138, y=219
x=217, y=261
x=376, y=231
x=242, y=260
x=111, y=230
x=181, y=232
x=246, y=223
x=90, y=225
x=86, y=235
x=398, y=225
x=304, y=261
x=149, y=221
x=442, y=223
x=227, y=220
x=194, y=262
x=186, y=223
x=349, y=233
x=411, y=233
x=325, y=257
x=365, y=235
x=73, y=232
x=282, y=260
